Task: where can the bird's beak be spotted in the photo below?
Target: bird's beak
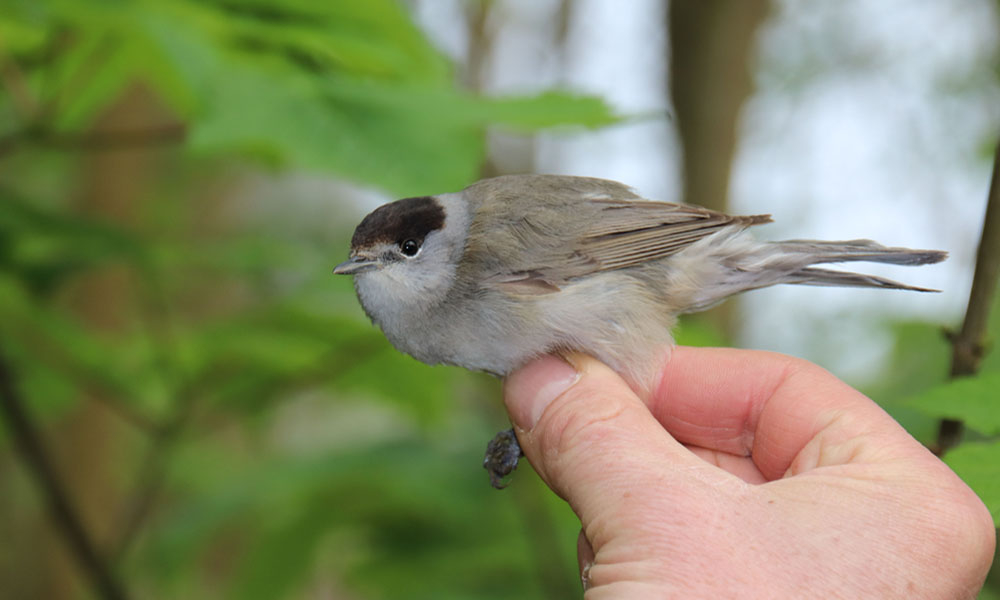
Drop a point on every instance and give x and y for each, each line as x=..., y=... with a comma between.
x=357, y=264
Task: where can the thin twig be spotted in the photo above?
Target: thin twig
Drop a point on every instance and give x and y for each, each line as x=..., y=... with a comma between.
x=158, y=322
x=152, y=474
x=968, y=344
x=62, y=512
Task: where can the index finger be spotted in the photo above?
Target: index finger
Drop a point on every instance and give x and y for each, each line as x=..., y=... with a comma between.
x=786, y=413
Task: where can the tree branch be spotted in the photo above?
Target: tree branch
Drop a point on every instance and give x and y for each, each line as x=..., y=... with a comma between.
x=94, y=141
x=152, y=473
x=968, y=344
x=61, y=510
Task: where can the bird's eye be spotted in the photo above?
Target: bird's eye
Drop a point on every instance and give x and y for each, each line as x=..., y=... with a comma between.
x=410, y=247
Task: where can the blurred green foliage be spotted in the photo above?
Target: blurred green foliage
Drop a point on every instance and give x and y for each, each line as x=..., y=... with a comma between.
x=282, y=444
x=347, y=88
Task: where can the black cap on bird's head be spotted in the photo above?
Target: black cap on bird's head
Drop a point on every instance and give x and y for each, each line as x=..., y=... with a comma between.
x=397, y=221
x=403, y=224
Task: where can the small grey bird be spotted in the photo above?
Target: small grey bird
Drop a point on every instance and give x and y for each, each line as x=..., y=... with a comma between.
x=514, y=267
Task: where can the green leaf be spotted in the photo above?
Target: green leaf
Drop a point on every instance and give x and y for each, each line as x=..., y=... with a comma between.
x=972, y=400
x=91, y=89
x=978, y=464
x=548, y=109
x=372, y=38
x=407, y=139
x=20, y=32
x=919, y=361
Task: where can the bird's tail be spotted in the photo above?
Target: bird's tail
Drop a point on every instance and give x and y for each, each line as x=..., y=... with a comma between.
x=860, y=250
x=742, y=263
x=809, y=252
x=813, y=276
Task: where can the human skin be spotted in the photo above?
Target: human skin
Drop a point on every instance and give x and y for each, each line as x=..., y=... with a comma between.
x=745, y=474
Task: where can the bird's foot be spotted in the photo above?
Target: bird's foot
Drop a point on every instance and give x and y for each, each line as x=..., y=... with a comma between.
x=502, y=455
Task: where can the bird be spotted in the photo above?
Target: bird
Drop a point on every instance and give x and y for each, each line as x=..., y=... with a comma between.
x=518, y=266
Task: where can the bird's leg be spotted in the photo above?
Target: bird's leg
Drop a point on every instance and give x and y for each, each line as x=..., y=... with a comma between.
x=502, y=455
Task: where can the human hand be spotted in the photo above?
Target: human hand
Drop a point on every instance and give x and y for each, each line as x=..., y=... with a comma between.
x=746, y=474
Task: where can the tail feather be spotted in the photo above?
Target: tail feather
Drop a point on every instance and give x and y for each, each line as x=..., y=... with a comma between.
x=749, y=265
x=829, y=277
x=860, y=250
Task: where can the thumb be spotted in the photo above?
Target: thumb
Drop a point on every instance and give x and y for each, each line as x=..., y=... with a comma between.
x=593, y=441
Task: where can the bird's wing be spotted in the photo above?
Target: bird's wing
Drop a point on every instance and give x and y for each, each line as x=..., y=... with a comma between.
x=617, y=234
x=627, y=234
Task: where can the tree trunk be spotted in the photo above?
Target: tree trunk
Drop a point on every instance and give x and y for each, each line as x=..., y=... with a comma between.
x=711, y=44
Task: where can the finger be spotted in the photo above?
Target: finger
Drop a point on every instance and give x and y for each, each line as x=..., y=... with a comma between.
x=768, y=406
x=595, y=443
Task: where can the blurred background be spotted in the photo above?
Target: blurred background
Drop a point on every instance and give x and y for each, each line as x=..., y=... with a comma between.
x=197, y=408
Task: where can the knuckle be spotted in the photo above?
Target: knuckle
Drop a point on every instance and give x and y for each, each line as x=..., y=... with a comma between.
x=970, y=529
x=959, y=532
